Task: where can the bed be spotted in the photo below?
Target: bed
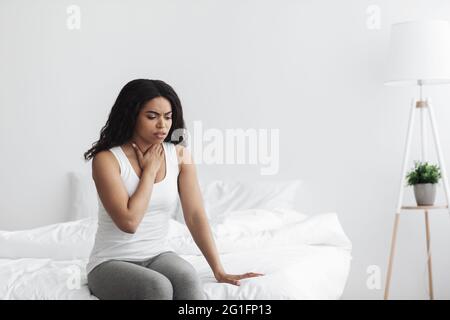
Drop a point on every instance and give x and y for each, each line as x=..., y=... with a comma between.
x=256, y=228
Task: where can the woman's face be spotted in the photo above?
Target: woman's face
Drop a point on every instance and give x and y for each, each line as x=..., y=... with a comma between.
x=154, y=120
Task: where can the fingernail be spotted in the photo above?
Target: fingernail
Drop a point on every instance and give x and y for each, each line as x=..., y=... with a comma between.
x=133, y=145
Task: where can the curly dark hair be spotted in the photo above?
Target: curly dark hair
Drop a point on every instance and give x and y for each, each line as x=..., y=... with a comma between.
x=119, y=127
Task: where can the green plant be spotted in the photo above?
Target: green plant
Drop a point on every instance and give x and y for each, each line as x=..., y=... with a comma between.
x=423, y=172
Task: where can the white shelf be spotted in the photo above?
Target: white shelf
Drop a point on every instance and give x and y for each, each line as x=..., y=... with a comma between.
x=433, y=207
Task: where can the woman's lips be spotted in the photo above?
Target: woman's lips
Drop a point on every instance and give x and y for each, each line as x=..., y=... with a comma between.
x=160, y=135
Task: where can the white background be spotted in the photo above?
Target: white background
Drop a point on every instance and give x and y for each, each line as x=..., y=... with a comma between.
x=313, y=69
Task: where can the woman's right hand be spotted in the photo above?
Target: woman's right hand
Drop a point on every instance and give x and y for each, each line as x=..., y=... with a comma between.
x=151, y=159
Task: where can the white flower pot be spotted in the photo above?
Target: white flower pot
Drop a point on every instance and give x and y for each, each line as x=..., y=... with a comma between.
x=425, y=193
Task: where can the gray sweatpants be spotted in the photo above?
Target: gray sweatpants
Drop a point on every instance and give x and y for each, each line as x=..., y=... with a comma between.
x=166, y=276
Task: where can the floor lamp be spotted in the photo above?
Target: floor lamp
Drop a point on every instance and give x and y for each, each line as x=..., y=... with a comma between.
x=419, y=54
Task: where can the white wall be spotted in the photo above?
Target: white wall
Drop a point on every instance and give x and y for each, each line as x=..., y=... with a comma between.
x=312, y=69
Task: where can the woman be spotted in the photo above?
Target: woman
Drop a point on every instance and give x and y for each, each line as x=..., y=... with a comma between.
x=139, y=173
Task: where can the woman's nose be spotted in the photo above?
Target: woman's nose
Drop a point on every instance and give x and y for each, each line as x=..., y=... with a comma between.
x=161, y=123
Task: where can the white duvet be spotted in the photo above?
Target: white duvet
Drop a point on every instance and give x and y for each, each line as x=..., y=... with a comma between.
x=302, y=257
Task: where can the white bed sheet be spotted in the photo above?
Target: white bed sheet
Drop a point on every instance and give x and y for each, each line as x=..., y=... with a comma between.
x=302, y=257
x=292, y=272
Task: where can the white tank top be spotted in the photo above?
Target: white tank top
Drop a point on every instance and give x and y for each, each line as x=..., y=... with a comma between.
x=150, y=238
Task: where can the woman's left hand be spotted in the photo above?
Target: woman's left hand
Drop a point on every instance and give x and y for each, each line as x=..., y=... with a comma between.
x=233, y=278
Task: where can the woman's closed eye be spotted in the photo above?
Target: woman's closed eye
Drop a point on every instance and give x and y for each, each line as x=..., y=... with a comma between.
x=153, y=118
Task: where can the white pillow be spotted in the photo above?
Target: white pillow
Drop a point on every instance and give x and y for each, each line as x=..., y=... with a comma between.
x=243, y=222
x=84, y=199
x=253, y=229
x=221, y=197
x=75, y=239
x=59, y=241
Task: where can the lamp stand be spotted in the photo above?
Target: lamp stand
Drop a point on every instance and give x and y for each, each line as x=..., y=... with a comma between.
x=424, y=106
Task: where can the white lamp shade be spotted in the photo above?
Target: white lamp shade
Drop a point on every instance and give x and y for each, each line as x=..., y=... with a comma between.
x=419, y=52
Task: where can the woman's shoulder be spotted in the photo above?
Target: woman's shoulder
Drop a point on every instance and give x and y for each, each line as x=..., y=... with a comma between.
x=106, y=154
x=102, y=156
x=178, y=151
x=178, y=147
x=104, y=160
x=183, y=154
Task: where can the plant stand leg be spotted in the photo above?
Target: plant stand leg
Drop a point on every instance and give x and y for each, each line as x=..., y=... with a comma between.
x=430, y=275
x=391, y=256
x=406, y=154
x=437, y=144
x=400, y=196
x=423, y=131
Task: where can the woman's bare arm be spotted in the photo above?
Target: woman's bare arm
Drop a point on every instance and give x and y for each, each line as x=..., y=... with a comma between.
x=126, y=212
x=197, y=220
x=194, y=212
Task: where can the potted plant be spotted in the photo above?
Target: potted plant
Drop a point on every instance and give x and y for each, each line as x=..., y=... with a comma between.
x=424, y=178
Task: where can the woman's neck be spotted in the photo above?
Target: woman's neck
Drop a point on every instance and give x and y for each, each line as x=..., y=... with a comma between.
x=142, y=144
